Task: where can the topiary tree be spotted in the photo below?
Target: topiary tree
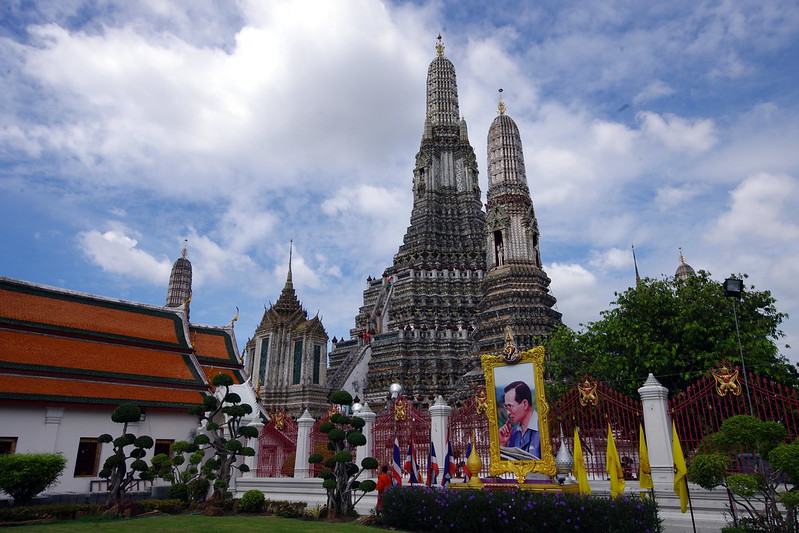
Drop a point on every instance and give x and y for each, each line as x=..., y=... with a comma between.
x=223, y=430
x=340, y=477
x=24, y=475
x=182, y=467
x=758, y=493
x=116, y=470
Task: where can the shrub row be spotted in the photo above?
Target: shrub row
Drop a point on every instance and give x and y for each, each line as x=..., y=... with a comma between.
x=507, y=511
x=62, y=511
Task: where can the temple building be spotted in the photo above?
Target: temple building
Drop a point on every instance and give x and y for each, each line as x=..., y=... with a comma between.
x=68, y=359
x=516, y=298
x=287, y=357
x=457, y=283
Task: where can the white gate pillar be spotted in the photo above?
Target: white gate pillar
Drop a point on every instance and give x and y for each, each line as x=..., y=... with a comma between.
x=302, y=468
x=369, y=417
x=254, y=443
x=657, y=426
x=439, y=424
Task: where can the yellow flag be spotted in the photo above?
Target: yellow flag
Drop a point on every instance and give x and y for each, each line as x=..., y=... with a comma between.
x=644, y=470
x=680, y=470
x=614, y=467
x=579, y=465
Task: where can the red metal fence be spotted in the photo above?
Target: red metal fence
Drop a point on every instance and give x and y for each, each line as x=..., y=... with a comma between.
x=277, y=447
x=720, y=394
x=466, y=423
x=403, y=421
x=590, y=406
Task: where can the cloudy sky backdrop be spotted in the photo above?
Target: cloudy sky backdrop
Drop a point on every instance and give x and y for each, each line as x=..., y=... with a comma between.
x=128, y=127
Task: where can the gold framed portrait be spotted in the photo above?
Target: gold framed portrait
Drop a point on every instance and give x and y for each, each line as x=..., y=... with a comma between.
x=517, y=411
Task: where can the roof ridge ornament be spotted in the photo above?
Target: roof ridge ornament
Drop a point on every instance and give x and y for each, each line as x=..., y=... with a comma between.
x=501, y=107
x=440, y=47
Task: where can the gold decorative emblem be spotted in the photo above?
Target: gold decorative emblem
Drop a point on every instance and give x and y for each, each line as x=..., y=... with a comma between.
x=588, y=393
x=400, y=409
x=332, y=411
x=280, y=420
x=510, y=354
x=480, y=400
x=726, y=381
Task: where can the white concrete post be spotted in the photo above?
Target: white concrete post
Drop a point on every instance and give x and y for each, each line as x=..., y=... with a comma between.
x=52, y=421
x=301, y=466
x=253, y=442
x=439, y=424
x=657, y=426
x=369, y=417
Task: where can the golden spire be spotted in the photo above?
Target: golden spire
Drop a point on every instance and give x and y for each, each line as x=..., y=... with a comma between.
x=440, y=47
x=682, y=257
x=185, y=247
x=501, y=106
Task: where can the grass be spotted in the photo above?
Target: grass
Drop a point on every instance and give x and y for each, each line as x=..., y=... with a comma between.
x=206, y=524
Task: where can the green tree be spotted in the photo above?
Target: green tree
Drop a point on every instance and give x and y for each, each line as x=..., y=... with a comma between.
x=340, y=477
x=674, y=329
x=116, y=470
x=223, y=426
x=772, y=482
x=24, y=475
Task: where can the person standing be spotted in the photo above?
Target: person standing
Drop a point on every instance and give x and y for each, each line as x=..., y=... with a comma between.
x=383, y=482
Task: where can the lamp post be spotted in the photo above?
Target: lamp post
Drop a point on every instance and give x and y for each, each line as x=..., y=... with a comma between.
x=733, y=288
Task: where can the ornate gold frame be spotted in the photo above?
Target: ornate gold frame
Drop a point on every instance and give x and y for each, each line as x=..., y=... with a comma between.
x=521, y=468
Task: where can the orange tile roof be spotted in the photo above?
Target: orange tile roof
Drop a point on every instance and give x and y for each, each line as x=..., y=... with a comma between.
x=36, y=388
x=211, y=371
x=213, y=344
x=20, y=349
x=34, y=304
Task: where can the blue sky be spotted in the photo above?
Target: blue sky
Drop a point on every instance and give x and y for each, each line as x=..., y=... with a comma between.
x=128, y=127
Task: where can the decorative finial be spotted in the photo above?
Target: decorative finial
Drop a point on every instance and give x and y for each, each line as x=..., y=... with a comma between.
x=440, y=47
x=185, y=248
x=682, y=257
x=291, y=248
x=501, y=106
x=635, y=262
x=235, y=317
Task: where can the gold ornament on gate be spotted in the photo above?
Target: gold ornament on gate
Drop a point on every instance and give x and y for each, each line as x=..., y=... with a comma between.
x=588, y=393
x=280, y=420
x=726, y=381
x=480, y=400
x=400, y=409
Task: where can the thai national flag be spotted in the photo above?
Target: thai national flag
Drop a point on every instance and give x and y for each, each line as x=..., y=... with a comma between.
x=432, y=466
x=449, y=466
x=411, y=467
x=396, y=469
x=466, y=473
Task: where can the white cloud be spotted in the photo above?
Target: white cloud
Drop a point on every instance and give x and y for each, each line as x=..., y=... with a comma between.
x=654, y=91
x=117, y=252
x=678, y=133
x=670, y=197
x=763, y=209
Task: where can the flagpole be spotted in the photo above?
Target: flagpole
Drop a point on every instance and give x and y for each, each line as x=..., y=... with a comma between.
x=690, y=505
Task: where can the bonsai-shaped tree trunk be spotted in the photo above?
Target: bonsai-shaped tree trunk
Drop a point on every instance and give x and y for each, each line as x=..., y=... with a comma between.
x=115, y=469
x=758, y=493
x=224, y=428
x=341, y=475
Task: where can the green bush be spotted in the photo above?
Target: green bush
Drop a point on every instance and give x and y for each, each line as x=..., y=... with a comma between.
x=509, y=511
x=252, y=502
x=286, y=509
x=198, y=489
x=178, y=491
x=61, y=511
x=171, y=506
x=24, y=475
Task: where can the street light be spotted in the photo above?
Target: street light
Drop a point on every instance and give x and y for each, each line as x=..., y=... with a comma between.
x=733, y=288
x=395, y=390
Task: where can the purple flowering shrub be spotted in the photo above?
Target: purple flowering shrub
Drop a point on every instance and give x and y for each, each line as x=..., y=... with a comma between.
x=508, y=511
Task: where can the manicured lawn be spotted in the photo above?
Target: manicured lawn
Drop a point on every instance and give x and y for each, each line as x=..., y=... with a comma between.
x=206, y=524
